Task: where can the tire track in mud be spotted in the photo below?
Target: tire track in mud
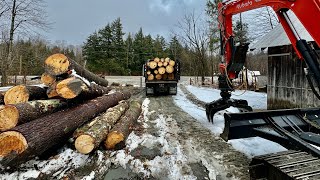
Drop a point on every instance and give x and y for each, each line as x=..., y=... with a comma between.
x=200, y=146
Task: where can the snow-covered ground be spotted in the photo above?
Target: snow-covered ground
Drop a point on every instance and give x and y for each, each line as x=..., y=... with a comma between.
x=256, y=100
x=174, y=157
x=250, y=146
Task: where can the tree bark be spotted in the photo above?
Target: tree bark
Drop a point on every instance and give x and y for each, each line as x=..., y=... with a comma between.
x=92, y=134
x=58, y=64
x=21, y=93
x=1, y=98
x=12, y=115
x=43, y=133
x=73, y=87
x=120, y=132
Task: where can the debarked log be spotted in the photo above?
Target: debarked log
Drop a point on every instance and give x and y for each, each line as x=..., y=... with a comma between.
x=58, y=64
x=13, y=114
x=33, y=138
x=21, y=93
x=120, y=132
x=89, y=136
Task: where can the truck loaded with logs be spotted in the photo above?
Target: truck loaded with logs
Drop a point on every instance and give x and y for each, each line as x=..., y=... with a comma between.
x=161, y=76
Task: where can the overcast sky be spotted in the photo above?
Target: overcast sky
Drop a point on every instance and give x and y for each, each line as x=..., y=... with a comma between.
x=74, y=20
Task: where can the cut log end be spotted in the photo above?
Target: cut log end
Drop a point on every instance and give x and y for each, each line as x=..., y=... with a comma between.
x=48, y=79
x=57, y=64
x=12, y=142
x=69, y=88
x=84, y=144
x=9, y=116
x=16, y=94
x=113, y=139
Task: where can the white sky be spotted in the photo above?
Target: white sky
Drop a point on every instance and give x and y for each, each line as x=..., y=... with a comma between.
x=75, y=20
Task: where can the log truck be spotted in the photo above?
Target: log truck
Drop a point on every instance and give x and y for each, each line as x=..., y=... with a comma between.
x=296, y=129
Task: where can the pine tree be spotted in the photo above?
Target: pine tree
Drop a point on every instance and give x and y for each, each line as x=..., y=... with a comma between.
x=241, y=32
x=175, y=48
x=117, y=42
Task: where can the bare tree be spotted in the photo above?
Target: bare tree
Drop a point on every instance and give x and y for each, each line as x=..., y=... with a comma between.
x=25, y=17
x=262, y=21
x=195, y=34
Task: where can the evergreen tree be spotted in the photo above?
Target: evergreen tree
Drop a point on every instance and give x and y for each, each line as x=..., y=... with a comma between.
x=138, y=59
x=241, y=32
x=117, y=42
x=175, y=48
x=129, y=51
x=92, y=52
x=160, y=46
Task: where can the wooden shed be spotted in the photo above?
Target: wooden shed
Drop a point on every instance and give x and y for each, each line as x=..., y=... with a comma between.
x=287, y=85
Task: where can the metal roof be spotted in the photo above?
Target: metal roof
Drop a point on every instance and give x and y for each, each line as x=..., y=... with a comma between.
x=278, y=37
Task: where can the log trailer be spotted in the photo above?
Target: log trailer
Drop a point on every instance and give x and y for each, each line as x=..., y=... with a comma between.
x=166, y=84
x=296, y=129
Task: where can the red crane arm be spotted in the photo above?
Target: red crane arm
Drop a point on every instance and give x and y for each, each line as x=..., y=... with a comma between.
x=307, y=11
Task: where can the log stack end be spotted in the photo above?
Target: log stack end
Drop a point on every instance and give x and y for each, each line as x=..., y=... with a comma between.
x=9, y=116
x=16, y=94
x=12, y=142
x=84, y=144
x=57, y=64
x=113, y=139
x=69, y=88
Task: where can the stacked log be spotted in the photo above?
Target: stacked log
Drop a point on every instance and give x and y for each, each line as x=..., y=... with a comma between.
x=120, y=132
x=34, y=119
x=160, y=68
x=59, y=64
x=89, y=136
x=22, y=93
x=73, y=87
x=32, y=139
x=14, y=114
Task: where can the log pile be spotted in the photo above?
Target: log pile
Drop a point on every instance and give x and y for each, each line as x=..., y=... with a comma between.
x=160, y=69
x=34, y=119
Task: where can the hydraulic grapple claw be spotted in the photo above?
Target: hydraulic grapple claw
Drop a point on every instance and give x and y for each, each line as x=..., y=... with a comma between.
x=222, y=103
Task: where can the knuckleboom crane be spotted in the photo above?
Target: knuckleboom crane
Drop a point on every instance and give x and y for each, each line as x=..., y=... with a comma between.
x=295, y=129
x=233, y=57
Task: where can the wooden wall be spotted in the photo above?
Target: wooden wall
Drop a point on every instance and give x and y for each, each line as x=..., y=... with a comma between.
x=287, y=84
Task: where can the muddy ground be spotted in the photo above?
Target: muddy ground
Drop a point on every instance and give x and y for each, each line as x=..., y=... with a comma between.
x=190, y=150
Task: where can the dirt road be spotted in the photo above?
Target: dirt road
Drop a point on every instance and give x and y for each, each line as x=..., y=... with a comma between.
x=167, y=144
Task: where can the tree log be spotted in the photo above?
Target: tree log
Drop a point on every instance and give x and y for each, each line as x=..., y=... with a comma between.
x=153, y=64
x=172, y=63
x=160, y=64
x=169, y=69
x=171, y=76
x=156, y=60
x=92, y=134
x=162, y=70
x=21, y=93
x=119, y=133
x=158, y=76
x=165, y=64
x=73, y=87
x=48, y=79
x=167, y=60
x=43, y=133
x=58, y=64
x=13, y=114
x=150, y=77
x=52, y=92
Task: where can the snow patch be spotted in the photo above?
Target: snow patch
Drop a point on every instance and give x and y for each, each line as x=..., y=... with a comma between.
x=250, y=146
